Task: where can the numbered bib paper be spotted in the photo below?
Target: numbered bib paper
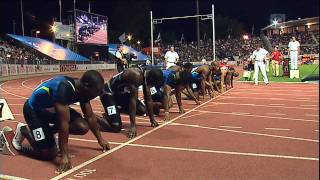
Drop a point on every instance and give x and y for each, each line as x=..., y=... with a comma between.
x=38, y=134
x=194, y=86
x=153, y=90
x=5, y=112
x=111, y=110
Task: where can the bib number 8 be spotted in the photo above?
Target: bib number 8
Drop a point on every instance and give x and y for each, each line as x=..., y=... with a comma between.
x=153, y=90
x=111, y=110
x=38, y=134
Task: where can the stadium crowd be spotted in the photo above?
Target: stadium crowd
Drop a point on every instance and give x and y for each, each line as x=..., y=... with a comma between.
x=14, y=54
x=241, y=47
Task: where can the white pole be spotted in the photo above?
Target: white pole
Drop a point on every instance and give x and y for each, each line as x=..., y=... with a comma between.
x=213, y=35
x=60, y=10
x=151, y=29
x=89, y=9
x=22, y=22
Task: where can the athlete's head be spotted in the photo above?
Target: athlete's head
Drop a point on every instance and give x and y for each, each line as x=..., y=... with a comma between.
x=185, y=78
x=155, y=77
x=188, y=67
x=91, y=85
x=215, y=68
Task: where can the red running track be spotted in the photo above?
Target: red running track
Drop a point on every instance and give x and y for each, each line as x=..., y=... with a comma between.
x=250, y=132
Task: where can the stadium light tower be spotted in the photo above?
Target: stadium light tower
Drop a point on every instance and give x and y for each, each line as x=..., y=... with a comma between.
x=37, y=32
x=275, y=22
x=54, y=28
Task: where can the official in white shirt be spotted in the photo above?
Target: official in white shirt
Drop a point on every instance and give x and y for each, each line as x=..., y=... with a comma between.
x=171, y=58
x=259, y=56
x=294, y=51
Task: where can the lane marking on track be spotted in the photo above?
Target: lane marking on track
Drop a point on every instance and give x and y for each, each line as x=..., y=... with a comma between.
x=231, y=127
x=274, y=99
x=198, y=114
x=209, y=151
x=316, y=130
x=9, y=177
x=277, y=129
x=308, y=105
x=250, y=133
x=213, y=128
x=240, y=113
x=260, y=105
x=276, y=104
x=260, y=116
x=304, y=98
x=273, y=94
x=130, y=141
x=313, y=115
x=277, y=114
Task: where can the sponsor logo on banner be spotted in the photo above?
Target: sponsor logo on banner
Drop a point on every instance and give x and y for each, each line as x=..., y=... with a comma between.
x=68, y=67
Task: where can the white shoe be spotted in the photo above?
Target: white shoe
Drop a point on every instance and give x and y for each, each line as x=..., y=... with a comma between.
x=18, y=137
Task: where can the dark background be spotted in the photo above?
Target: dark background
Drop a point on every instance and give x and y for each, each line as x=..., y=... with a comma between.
x=233, y=17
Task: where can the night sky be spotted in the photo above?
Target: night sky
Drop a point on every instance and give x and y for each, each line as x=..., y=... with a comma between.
x=248, y=12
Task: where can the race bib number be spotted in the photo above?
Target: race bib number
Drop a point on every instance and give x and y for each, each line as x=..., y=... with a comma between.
x=38, y=134
x=111, y=110
x=194, y=86
x=153, y=90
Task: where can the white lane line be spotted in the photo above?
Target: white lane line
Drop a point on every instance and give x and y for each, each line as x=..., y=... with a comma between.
x=261, y=116
x=277, y=129
x=130, y=141
x=309, y=105
x=260, y=105
x=228, y=152
x=240, y=113
x=211, y=151
x=251, y=133
x=303, y=98
x=276, y=104
x=213, y=128
x=313, y=115
x=274, y=99
x=278, y=94
x=231, y=127
x=198, y=114
x=9, y=177
x=277, y=114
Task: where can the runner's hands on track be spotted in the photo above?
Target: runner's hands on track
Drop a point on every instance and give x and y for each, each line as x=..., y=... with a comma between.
x=132, y=132
x=64, y=164
x=181, y=110
x=104, y=144
x=166, y=116
x=154, y=123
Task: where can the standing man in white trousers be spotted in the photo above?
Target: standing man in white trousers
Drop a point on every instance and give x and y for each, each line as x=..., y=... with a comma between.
x=259, y=56
x=294, y=51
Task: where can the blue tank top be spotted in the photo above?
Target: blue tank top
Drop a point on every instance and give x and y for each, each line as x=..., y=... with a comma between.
x=60, y=89
x=169, y=77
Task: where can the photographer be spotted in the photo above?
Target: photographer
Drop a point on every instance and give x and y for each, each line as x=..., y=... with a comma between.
x=121, y=61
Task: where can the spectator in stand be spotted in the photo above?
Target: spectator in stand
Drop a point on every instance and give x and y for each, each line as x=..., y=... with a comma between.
x=294, y=51
x=171, y=58
x=276, y=57
x=259, y=56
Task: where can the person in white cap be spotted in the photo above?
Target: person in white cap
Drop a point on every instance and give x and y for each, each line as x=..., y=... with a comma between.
x=171, y=58
x=294, y=51
x=259, y=56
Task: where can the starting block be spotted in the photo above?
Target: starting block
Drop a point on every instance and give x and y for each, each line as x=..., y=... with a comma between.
x=6, y=136
x=5, y=111
x=294, y=74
